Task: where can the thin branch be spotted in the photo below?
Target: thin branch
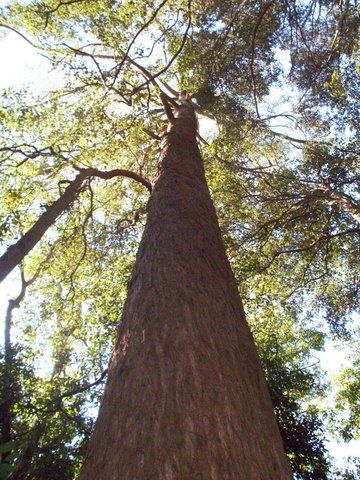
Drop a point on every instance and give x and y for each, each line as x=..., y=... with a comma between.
x=151, y=134
x=251, y=64
x=307, y=142
x=85, y=387
x=167, y=108
x=320, y=239
x=55, y=9
x=146, y=24
x=174, y=57
x=21, y=35
x=117, y=172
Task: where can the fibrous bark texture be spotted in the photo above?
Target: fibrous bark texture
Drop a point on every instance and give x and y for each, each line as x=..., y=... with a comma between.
x=186, y=398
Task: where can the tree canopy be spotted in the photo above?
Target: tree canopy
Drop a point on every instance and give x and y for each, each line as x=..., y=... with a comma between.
x=275, y=86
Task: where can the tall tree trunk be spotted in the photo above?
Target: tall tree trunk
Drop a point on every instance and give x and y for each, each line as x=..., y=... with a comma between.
x=186, y=397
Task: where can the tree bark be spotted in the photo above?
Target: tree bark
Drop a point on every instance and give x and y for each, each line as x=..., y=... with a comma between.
x=186, y=398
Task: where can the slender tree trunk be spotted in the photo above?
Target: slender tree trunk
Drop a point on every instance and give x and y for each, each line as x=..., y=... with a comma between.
x=6, y=402
x=186, y=398
x=18, y=251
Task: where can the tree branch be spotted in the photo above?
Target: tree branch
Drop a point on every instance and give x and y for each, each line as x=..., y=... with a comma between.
x=251, y=64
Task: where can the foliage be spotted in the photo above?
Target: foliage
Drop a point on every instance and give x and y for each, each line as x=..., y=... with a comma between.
x=347, y=402
x=286, y=198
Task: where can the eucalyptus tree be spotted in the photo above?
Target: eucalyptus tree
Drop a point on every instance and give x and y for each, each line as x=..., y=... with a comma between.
x=287, y=216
